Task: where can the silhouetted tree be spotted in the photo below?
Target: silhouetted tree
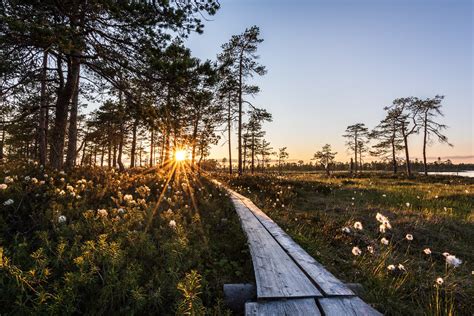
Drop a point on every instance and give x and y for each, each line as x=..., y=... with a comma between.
x=325, y=157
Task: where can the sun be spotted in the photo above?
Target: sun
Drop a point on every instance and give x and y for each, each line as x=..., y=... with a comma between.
x=180, y=155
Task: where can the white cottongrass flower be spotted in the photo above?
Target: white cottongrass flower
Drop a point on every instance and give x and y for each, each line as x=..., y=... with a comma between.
x=391, y=267
x=409, y=237
x=3, y=186
x=439, y=281
x=381, y=218
x=356, y=251
x=407, y=204
x=102, y=212
x=452, y=260
x=172, y=224
x=346, y=230
x=384, y=241
x=436, y=196
x=370, y=249
x=127, y=197
x=27, y=178
x=427, y=251
x=401, y=267
x=384, y=195
x=358, y=225
x=8, y=202
x=8, y=180
x=62, y=219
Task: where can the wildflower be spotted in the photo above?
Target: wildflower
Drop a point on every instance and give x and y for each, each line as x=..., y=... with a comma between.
x=427, y=251
x=353, y=198
x=407, y=204
x=409, y=237
x=384, y=195
x=34, y=180
x=102, y=212
x=391, y=267
x=8, y=202
x=453, y=261
x=62, y=219
x=172, y=224
x=356, y=251
x=128, y=197
x=358, y=225
x=439, y=281
x=62, y=180
x=8, y=180
x=3, y=186
x=381, y=218
x=436, y=196
x=27, y=178
x=401, y=267
x=346, y=230
x=70, y=188
x=61, y=192
x=370, y=249
x=384, y=241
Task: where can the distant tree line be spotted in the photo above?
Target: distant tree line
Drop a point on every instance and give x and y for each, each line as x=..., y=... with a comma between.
x=404, y=117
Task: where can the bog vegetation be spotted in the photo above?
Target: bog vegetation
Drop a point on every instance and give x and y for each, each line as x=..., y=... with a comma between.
x=106, y=123
x=407, y=241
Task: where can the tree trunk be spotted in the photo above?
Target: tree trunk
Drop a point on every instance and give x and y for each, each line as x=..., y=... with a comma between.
x=83, y=158
x=102, y=154
x=42, y=113
x=407, y=156
x=134, y=144
x=109, y=155
x=240, y=117
x=114, y=157
x=2, y=142
x=62, y=104
x=229, y=133
x=152, y=146
x=355, y=152
x=394, y=158
x=253, y=154
x=72, y=131
x=244, y=157
x=425, y=139
x=120, y=151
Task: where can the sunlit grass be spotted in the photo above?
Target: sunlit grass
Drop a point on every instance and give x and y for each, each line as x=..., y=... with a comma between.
x=437, y=212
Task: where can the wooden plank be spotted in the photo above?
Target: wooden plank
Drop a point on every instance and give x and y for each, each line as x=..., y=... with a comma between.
x=327, y=282
x=352, y=306
x=297, y=307
x=276, y=274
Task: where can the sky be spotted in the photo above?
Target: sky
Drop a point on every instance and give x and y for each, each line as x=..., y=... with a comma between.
x=335, y=63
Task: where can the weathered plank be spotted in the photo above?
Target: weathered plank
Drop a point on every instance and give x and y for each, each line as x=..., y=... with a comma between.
x=351, y=306
x=297, y=307
x=276, y=274
x=326, y=281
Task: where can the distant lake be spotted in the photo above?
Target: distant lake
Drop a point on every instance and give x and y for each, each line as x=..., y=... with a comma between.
x=469, y=174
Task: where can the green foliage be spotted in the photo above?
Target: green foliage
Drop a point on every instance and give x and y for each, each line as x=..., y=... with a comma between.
x=93, y=242
x=436, y=211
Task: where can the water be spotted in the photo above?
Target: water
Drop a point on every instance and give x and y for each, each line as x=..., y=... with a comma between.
x=469, y=174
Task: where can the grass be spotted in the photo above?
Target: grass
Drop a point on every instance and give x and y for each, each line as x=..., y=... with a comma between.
x=92, y=242
x=437, y=211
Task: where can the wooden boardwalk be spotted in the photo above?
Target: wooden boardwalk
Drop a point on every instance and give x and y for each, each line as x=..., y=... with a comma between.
x=288, y=280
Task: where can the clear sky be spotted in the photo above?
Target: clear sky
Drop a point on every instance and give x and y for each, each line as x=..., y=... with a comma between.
x=334, y=63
